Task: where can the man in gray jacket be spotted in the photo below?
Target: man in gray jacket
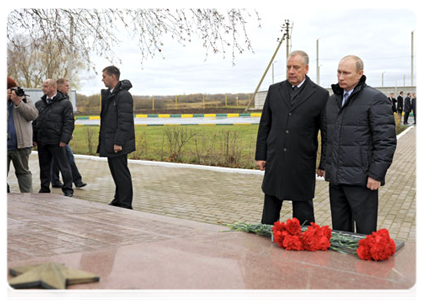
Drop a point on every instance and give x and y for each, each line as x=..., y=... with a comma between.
x=20, y=114
x=359, y=149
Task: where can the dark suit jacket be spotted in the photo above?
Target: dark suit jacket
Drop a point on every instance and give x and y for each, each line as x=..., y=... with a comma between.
x=287, y=140
x=393, y=101
x=407, y=104
x=400, y=104
x=415, y=104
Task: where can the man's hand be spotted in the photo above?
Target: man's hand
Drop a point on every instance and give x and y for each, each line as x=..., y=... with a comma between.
x=373, y=184
x=117, y=148
x=261, y=164
x=62, y=144
x=15, y=99
x=321, y=173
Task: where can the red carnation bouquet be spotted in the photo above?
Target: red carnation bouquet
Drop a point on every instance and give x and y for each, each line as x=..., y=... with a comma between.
x=290, y=237
x=377, y=246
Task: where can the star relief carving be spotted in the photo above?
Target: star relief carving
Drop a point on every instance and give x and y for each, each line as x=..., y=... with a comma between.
x=49, y=276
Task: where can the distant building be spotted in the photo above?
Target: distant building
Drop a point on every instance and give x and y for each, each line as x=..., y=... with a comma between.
x=36, y=95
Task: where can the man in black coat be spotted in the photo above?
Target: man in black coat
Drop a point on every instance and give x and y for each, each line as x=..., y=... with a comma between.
x=287, y=141
x=407, y=108
x=360, y=145
x=117, y=134
x=393, y=102
x=415, y=103
x=52, y=132
x=400, y=104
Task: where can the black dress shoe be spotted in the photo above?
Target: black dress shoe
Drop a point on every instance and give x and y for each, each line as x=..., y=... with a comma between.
x=80, y=184
x=68, y=194
x=57, y=185
x=114, y=203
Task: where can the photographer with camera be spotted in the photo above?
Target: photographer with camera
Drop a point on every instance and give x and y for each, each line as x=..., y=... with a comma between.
x=20, y=114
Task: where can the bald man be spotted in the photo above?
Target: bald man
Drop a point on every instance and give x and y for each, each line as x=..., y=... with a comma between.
x=52, y=132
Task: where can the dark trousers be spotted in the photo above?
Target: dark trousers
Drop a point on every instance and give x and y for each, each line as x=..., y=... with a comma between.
x=46, y=153
x=76, y=176
x=349, y=204
x=123, y=181
x=302, y=210
x=406, y=114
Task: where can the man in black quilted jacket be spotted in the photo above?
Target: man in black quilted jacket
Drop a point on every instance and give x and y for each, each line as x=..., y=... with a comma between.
x=360, y=145
x=52, y=132
x=117, y=133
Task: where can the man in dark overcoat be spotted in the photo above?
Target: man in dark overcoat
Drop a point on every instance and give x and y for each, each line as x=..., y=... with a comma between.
x=358, y=148
x=117, y=133
x=287, y=141
x=415, y=103
x=400, y=104
x=407, y=108
x=393, y=102
x=52, y=132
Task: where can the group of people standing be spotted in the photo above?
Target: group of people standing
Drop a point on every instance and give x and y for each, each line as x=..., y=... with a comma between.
x=49, y=124
x=358, y=142
x=406, y=105
x=356, y=124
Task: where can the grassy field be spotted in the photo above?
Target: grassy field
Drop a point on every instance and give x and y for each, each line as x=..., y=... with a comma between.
x=223, y=145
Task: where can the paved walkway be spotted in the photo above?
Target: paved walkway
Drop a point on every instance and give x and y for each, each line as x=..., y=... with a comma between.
x=220, y=197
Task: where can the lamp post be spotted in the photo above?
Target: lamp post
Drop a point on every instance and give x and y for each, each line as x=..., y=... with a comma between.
x=382, y=77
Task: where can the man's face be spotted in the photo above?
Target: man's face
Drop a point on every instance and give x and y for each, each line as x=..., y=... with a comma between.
x=64, y=88
x=296, y=70
x=108, y=80
x=47, y=88
x=348, y=76
x=392, y=95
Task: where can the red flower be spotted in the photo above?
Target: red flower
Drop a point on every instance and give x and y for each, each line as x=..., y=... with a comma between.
x=317, y=238
x=377, y=246
x=290, y=237
x=292, y=242
x=293, y=226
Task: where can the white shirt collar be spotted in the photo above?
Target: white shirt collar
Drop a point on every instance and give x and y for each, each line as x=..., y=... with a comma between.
x=300, y=83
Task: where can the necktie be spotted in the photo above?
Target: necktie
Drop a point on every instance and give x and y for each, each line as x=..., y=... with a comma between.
x=345, y=98
x=294, y=93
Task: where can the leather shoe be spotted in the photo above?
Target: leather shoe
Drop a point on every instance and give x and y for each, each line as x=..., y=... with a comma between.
x=80, y=184
x=68, y=194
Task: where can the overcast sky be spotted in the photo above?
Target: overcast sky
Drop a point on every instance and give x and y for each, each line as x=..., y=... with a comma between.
x=381, y=37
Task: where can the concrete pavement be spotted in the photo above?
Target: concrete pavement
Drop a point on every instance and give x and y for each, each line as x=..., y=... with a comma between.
x=220, y=197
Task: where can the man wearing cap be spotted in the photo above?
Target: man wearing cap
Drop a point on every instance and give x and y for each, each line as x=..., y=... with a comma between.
x=20, y=114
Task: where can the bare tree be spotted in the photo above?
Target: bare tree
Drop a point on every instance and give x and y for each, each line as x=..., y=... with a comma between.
x=30, y=62
x=86, y=31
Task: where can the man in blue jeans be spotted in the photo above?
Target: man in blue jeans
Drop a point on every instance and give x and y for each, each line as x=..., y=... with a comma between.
x=63, y=86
